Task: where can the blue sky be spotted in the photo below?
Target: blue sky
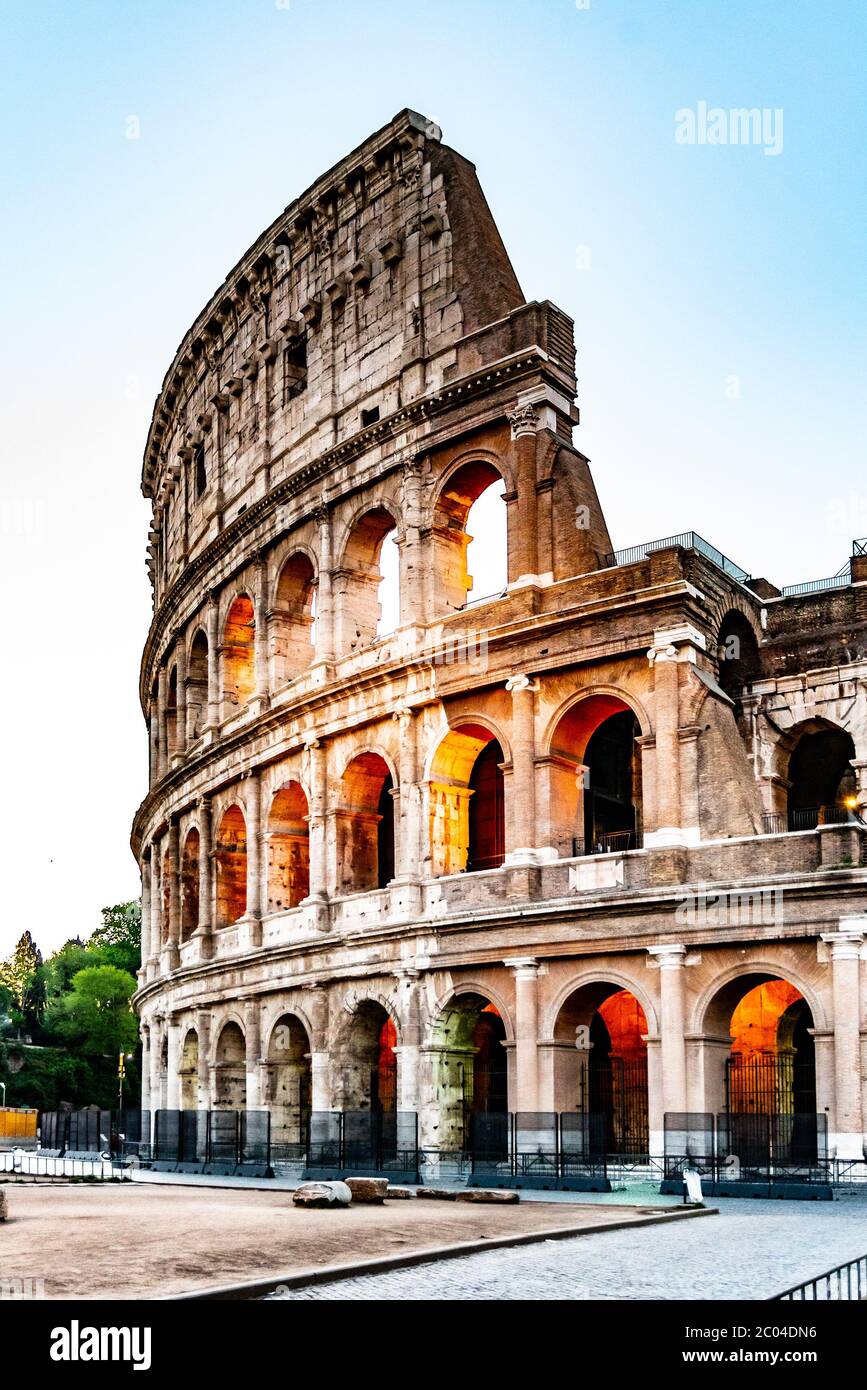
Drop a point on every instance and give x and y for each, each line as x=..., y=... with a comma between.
x=718, y=294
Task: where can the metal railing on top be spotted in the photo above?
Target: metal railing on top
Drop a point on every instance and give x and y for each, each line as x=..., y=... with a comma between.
x=689, y=540
x=846, y=1282
x=807, y=818
x=609, y=842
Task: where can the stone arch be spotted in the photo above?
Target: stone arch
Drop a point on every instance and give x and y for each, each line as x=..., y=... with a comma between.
x=188, y=1071
x=190, y=883
x=292, y=616
x=822, y=784
x=619, y=979
x=230, y=1066
x=702, y=1019
x=172, y=731
x=238, y=653
x=359, y=575
x=364, y=1059
x=197, y=683
x=469, y=1063
x=288, y=839
x=466, y=798
x=231, y=866
x=366, y=822
x=737, y=653
x=288, y=1084
x=461, y=486
x=594, y=785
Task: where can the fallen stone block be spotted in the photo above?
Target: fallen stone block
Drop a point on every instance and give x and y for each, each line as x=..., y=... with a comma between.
x=437, y=1194
x=322, y=1194
x=488, y=1194
x=399, y=1194
x=368, y=1190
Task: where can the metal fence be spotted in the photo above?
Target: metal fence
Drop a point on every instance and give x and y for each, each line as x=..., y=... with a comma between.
x=540, y=1149
x=213, y=1141
x=687, y=540
x=843, y=1283
x=93, y=1133
x=363, y=1142
x=751, y=1154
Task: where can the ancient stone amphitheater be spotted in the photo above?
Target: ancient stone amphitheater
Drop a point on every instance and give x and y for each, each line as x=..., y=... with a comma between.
x=591, y=846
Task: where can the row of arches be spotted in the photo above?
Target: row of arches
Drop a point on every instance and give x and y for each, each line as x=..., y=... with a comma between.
x=600, y=1069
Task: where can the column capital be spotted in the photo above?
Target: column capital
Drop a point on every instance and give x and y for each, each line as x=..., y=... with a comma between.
x=656, y=656
x=521, y=682
x=847, y=942
x=524, y=967
x=667, y=957
x=322, y=515
x=402, y=714
x=523, y=420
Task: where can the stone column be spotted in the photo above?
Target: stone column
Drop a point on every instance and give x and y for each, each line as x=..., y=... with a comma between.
x=145, y=1033
x=156, y=1052
x=667, y=829
x=154, y=738
x=316, y=821
x=324, y=590
x=261, y=694
x=526, y=972
x=203, y=1033
x=173, y=1091
x=412, y=570
x=181, y=710
x=253, y=914
x=523, y=421
x=163, y=740
x=410, y=1045
x=170, y=954
x=670, y=960
x=205, y=924
x=408, y=848
x=845, y=950
x=214, y=692
x=145, y=915
x=317, y=1002
x=523, y=819
x=253, y=1037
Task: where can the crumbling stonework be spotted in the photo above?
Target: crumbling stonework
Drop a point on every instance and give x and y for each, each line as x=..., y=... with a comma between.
x=359, y=848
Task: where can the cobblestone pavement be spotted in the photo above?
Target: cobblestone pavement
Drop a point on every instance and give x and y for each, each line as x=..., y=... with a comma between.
x=752, y=1249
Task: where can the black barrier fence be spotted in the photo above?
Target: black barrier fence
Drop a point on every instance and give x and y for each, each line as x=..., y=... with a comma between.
x=94, y=1132
x=213, y=1141
x=363, y=1142
x=539, y=1149
x=749, y=1151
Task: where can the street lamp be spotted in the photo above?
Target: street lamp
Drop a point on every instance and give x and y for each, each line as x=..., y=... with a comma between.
x=3, y=1085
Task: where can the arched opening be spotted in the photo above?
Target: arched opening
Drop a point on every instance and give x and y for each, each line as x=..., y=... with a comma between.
x=470, y=536
x=239, y=664
x=155, y=734
x=172, y=713
x=367, y=1064
x=197, y=686
x=467, y=802
x=230, y=1071
x=822, y=783
x=291, y=620
x=231, y=865
x=367, y=583
x=605, y=1079
x=594, y=778
x=188, y=1071
x=470, y=1073
x=167, y=897
x=190, y=885
x=738, y=652
x=288, y=848
x=768, y=1089
x=288, y=1087
x=366, y=825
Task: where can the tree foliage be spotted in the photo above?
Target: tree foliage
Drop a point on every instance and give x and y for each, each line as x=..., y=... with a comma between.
x=95, y=1013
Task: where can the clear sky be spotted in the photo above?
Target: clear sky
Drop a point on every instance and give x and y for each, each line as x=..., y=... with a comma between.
x=718, y=293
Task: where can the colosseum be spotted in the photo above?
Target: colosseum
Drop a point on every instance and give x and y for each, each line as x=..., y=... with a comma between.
x=591, y=850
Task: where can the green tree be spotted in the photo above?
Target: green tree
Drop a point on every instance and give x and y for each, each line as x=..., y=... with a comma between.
x=118, y=939
x=21, y=976
x=58, y=970
x=95, y=1014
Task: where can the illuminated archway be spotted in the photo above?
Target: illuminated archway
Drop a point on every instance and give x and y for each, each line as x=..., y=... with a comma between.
x=365, y=1060
x=594, y=778
x=190, y=885
x=470, y=524
x=470, y=1071
x=231, y=866
x=467, y=801
x=605, y=1078
x=288, y=1087
x=822, y=782
x=230, y=1085
x=291, y=620
x=366, y=825
x=288, y=848
x=239, y=664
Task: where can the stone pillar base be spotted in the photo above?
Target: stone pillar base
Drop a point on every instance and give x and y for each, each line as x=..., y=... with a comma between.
x=846, y=1146
x=249, y=933
x=317, y=913
x=169, y=959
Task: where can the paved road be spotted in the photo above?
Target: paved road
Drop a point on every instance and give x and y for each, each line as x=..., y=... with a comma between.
x=753, y=1249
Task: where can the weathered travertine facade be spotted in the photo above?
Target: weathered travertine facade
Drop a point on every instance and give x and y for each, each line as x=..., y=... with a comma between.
x=462, y=843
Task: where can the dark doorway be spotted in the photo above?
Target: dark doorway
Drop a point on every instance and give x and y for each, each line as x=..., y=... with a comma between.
x=385, y=834
x=487, y=825
x=610, y=821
